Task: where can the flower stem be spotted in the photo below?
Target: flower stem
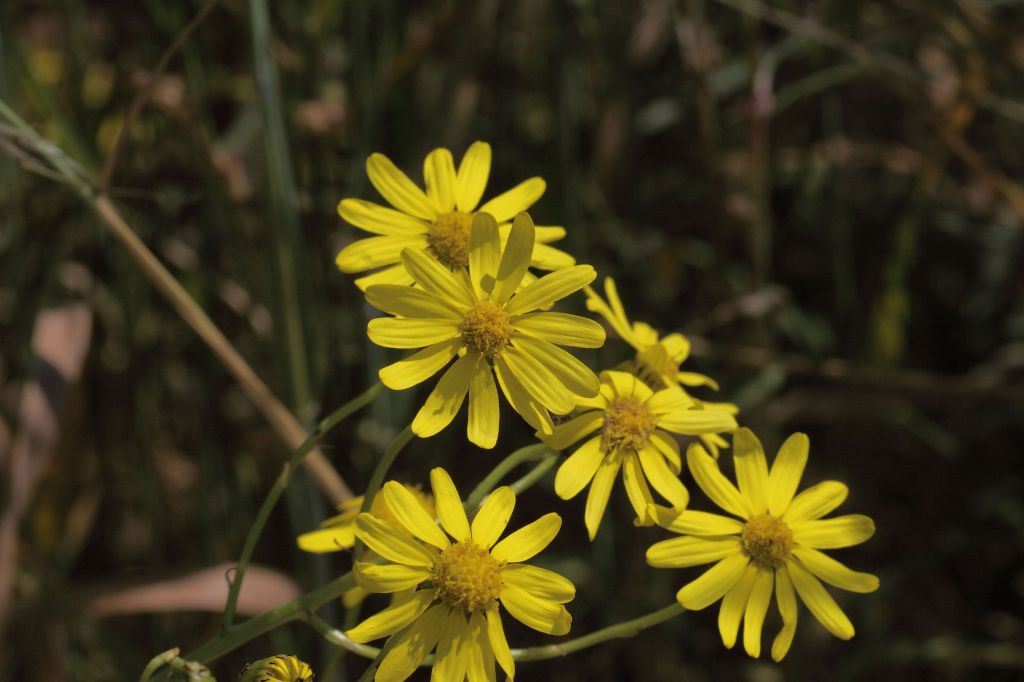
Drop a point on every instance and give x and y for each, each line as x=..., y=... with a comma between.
x=279, y=487
x=377, y=477
x=530, y=453
x=158, y=661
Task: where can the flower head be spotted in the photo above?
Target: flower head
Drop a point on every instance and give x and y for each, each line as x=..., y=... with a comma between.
x=629, y=422
x=277, y=669
x=657, y=358
x=774, y=545
x=438, y=220
x=456, y=575
x=495, y=328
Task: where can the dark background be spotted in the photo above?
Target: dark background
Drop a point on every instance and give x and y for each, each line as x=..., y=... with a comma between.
x=823, y=196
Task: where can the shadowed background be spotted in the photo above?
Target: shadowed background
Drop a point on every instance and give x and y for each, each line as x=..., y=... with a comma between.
x=822, y=196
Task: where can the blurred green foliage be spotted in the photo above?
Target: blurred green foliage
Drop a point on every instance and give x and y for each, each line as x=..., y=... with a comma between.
x=829, y=207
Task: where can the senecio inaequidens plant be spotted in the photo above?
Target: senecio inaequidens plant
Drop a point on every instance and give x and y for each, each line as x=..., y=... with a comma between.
x=470, y=290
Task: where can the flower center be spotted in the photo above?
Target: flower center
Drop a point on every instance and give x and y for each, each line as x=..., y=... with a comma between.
x=467, y=577
x=449, y=238
x=485, y=328
x=627, y=425
x=767, y=540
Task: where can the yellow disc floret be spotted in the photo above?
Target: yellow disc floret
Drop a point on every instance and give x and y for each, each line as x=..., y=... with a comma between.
x=627, y=425
x=467, y=577
x=768, y=540
x=486, y=328
x=449, y=238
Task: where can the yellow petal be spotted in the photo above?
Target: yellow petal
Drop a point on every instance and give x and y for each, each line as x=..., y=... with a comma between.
x=636, y=489
x=492, y=519
x=669, y=448
x=408, y=302
x=692, y=522
x=420, y=365
x=387, y=578
x=842, y=531
x=515, y=259
x=369, y=216
x=540, y=614
x=695, y=422
x=496, y=636
x=333, y=539
x=815, y=502
x=374, y=252
x=734, y=604
x=568, y=432
x=713, y=483
x=834, y=573
x=787, y=469
x=627, y=385
x=751, y=469
x=600, y=490
x=444, y=401
x=528, y=540
x=819, y=601
x=412, y=646
x=550, y=288
x=481, y=657
x=694, y=380
x=616, y=317
x=484, y=254
x=452, y=657
x=757, y=607
x=395, y=274
x=437, y=279
x=549, y=233
x=713, y=583
x=540, y=582
x=538, y=381
x=439, y=175
x=449, y=505
x=521, y=401
x=549, y=258
x=691, y=551
x=662, y=479
x=391, y=543
x=471, y=181
x=410, y=513
x=785, y=599
x=404, y=332
x=392, y=619
x=562, y=328
x=570, y=372
x=516, y=200
x=577, y=471
x=484, y=413
x=397, y=188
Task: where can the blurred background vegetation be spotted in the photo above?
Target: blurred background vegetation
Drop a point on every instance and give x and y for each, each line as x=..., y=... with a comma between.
x=824, y=196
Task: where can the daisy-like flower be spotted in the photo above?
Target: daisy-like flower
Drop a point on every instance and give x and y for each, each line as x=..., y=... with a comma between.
x=496, y=329
x=337, y=533
x=277, y=669
x=460, y=575
x=657, y=358
x=631, y=421
x=774, y=545
x=437, y=220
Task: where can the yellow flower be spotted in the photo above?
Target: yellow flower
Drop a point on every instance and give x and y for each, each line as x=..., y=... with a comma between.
x=277, y=669
x=438, y=220
x=482, y=316
x=632, y=420
x=457, y=610
x=774, y=545
x=657, y=359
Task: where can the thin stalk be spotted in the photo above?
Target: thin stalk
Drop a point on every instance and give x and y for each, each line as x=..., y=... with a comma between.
x=530, y=453
x=157, y=662
x=279, y=487
x=534, y=474
x=338, y=638
x=381, y=470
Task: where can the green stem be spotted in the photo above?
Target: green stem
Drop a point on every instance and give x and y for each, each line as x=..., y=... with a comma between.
x=158, y=661
x=381, y=470
x=530, y=453
x=279, y=487
x=337, y=637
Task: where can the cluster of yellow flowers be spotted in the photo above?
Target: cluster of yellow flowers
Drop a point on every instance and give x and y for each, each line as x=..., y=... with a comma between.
x=454, y=278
